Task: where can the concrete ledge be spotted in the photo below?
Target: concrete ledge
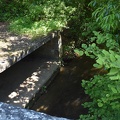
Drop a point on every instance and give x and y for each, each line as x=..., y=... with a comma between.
x=8, y=112
x=13, y=47
x=20, y=83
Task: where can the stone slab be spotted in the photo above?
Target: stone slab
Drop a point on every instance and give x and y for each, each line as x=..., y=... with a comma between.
x=8, y=112
x=15, y=47
x=20, y=83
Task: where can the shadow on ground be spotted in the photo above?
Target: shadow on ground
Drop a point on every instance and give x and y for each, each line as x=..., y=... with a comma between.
x=65, y=95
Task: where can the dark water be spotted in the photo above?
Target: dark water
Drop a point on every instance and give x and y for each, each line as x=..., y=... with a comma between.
x=64, y=96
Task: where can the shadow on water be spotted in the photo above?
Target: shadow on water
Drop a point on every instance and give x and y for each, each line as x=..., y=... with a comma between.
x=65, y=95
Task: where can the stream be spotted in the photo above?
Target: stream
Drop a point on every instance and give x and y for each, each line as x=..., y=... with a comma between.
x=64, y=96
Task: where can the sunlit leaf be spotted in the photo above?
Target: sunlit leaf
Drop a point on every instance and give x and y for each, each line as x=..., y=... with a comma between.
x=99, y=61
x=97, y=65
x=100, y=104
x=112, y=87
x=78, y=52
x=113, y=71
x=84, y=46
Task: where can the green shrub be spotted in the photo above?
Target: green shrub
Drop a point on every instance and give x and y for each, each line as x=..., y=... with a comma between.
x=103, y=46
x=35, y=17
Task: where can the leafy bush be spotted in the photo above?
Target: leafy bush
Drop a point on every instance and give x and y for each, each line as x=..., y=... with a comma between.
x=35, y=17
x=103, y=46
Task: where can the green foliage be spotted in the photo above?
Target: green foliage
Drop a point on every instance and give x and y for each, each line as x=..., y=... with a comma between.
x=78, y=22
x=106, y=98
x=107, y=14
x=104, y=46
x=35, y=17
x=68, y=50
x=78, y=52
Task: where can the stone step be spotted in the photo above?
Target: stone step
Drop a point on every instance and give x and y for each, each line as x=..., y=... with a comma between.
x=14, y=47
x=20, y=83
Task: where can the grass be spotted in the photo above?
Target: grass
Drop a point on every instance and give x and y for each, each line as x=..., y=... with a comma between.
x=38, y=28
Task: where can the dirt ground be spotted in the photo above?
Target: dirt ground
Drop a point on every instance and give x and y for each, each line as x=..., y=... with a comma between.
x=64, y=96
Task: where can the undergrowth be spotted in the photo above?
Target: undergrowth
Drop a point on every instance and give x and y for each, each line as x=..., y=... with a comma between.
x=35, y=17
